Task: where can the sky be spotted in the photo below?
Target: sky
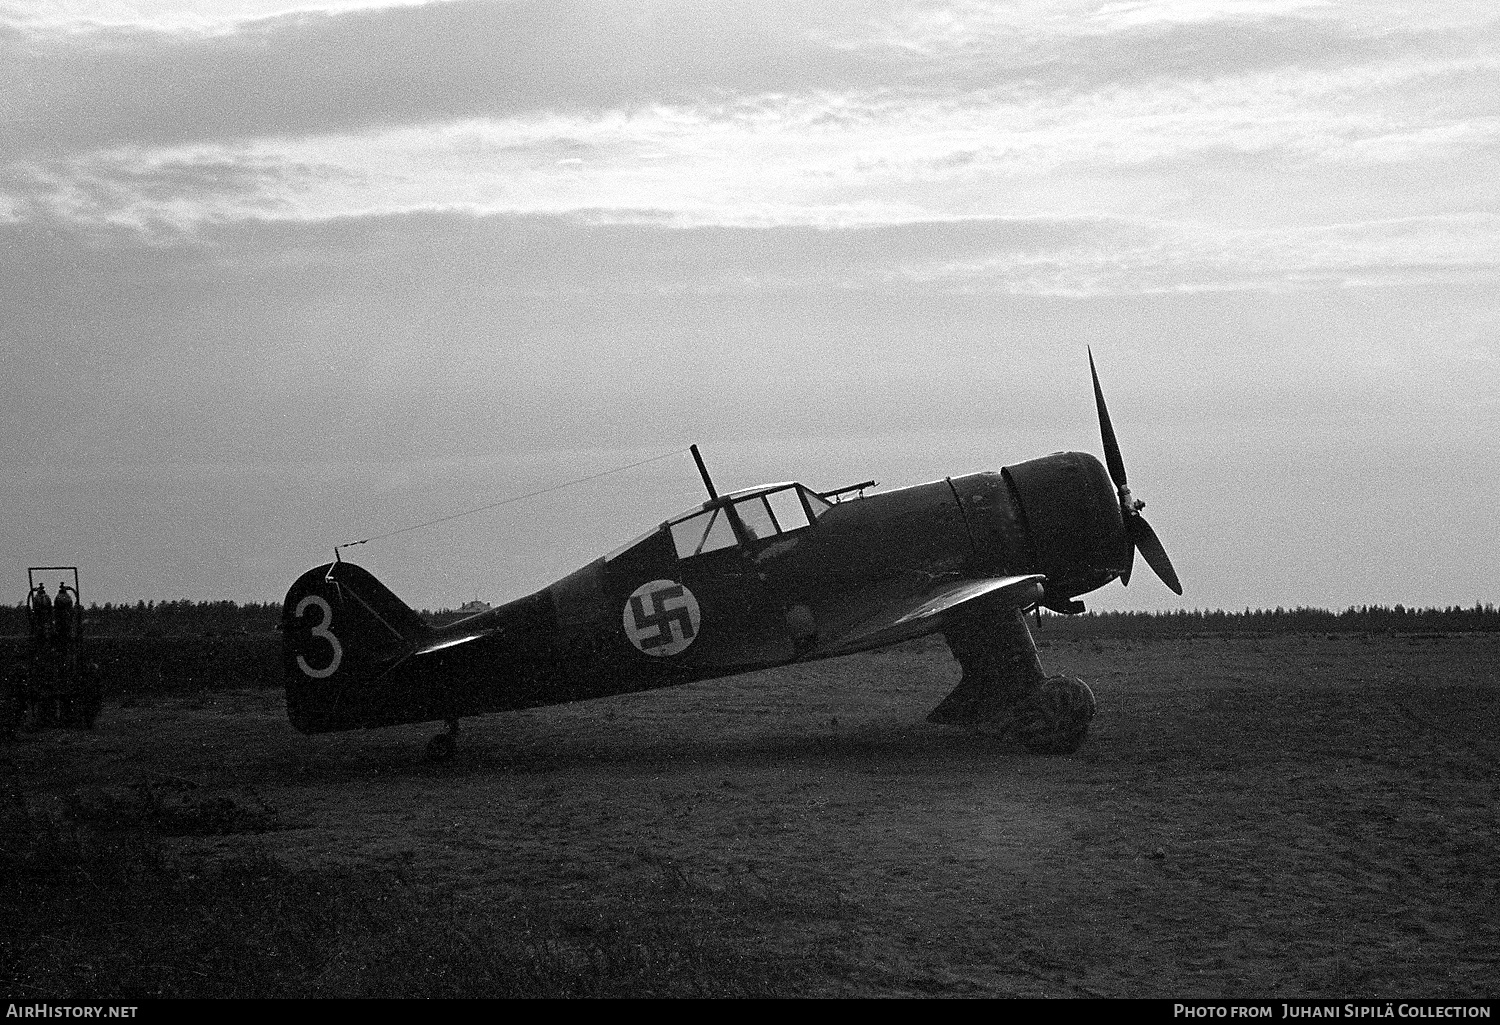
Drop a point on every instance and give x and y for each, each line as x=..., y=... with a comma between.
x=281, y=274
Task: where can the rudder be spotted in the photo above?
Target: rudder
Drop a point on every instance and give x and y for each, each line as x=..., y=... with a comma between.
x=341, y=631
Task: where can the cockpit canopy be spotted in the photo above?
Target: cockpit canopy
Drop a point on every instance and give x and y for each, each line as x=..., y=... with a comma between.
x=753, y=514
x=749, y=515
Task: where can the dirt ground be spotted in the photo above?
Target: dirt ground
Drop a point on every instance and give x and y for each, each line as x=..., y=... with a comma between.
x=1252, y=817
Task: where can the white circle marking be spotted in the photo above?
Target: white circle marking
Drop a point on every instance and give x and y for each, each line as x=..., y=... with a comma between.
x=661, y=618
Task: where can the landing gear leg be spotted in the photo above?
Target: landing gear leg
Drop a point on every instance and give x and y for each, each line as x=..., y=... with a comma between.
x=441, y=747
x=1004, y=685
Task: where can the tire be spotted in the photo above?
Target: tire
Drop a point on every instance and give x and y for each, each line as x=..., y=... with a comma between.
x=1054, y=720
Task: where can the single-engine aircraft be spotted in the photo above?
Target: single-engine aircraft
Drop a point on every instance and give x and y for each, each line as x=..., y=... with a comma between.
x=756, y=578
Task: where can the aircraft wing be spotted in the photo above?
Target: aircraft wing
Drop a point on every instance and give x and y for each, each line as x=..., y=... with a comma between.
x=923, y=612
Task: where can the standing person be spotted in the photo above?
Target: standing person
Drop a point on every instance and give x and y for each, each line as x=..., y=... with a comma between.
x=63, y=609
x=41, y=612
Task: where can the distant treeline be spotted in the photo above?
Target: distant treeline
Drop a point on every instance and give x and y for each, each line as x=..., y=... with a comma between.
x=173, y=617
x=1355, y=619
x=164, y=617
x=227, y=617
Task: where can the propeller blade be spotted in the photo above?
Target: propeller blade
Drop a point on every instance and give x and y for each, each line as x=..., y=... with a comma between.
x=1106, y=429
x=1143, y=537
x=1137, y=530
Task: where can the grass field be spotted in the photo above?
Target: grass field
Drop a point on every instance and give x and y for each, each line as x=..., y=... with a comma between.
x=1300, y=816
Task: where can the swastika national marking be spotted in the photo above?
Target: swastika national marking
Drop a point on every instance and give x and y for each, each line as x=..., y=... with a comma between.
x=661, y=618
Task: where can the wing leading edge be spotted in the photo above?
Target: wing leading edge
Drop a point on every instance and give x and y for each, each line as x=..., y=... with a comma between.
x=923, y=612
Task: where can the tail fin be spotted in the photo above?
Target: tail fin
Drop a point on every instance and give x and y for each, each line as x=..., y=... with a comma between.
x=341, y=630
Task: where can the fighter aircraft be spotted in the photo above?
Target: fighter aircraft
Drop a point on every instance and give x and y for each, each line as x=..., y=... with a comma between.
x=756, y=578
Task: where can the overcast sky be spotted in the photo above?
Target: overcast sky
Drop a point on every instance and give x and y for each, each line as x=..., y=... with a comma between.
x=278, y=274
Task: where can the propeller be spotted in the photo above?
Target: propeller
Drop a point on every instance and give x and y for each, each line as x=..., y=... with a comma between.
x=1136, y=528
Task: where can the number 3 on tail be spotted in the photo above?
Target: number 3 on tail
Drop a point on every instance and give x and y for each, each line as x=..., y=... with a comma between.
x=321, y=630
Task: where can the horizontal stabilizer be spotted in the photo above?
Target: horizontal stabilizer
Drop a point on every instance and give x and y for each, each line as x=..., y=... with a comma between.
x=449, y=642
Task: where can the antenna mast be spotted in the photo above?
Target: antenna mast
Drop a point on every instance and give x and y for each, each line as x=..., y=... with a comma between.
x=713, y=496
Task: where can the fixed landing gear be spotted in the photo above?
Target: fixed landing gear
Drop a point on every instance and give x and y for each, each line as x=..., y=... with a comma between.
x=441, y=747
x=1054, y=719
x=1004, y=686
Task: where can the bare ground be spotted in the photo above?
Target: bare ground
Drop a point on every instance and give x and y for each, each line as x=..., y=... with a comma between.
x=1252, y=817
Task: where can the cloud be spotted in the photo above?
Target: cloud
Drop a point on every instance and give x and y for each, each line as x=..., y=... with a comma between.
x=320, y=73
x=388, y=313
x=170, y=15
x=1236, y=151
x=317, y=74
x=279, y=340
x=157, y=190
x=861, y=114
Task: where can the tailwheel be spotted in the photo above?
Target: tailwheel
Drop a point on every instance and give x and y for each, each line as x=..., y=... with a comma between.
x=36, y=714
x=10, y=707
x=91, y=697
x=1054, y=719
x=441, y=747
x=88, y=711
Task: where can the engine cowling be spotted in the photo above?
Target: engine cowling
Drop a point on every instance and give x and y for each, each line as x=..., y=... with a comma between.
x=1072, y=520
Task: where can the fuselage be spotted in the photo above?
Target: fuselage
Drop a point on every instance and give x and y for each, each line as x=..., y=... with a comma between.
x=758, y=578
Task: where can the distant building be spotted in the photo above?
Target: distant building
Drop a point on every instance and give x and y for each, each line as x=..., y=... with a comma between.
x=470, y=608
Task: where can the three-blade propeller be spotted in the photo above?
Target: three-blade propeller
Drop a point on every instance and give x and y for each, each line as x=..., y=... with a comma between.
x=1136, y=528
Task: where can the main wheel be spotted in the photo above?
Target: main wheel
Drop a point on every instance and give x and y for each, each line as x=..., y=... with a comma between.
x=1054, y=720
